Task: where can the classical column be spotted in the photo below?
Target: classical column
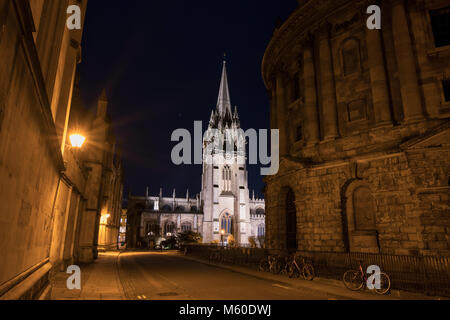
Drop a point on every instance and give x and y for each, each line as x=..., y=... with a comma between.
x=378, y=78
x=281, y=112
x=409, y=85
x=310, y=109
x=271, y=92
x=329, y=111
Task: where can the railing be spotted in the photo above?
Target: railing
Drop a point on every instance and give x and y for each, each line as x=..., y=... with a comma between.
x=425, y=274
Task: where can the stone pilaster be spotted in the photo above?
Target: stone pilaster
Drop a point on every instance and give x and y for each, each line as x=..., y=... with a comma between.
x=271, y=92
x=281, y=112
x=329, y=109
x=310, y=110
x=409, y=85
x=378, y=78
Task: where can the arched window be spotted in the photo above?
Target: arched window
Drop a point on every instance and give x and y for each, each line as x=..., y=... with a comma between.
x=226, y=223
x=261, y=230
x=350, y=56
x=169, y=227
x=180, y=209
x=226, y=177
x=186, y=226
x=362, y=233
x=152, y=228
x=291, y=221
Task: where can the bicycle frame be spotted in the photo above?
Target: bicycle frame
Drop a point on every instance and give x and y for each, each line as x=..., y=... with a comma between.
x=363, y=274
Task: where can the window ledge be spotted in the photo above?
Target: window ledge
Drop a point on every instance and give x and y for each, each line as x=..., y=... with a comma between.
x=440, y=52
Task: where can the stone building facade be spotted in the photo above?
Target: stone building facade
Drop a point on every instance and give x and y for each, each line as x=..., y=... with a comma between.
x=48, y=195
x=364, y=128
x=155, y=218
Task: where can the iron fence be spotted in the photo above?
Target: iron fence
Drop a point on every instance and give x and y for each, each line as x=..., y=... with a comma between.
x=425, y=274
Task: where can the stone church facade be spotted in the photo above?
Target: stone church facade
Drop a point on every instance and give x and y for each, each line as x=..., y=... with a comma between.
x=223, y=208
x=364, y=129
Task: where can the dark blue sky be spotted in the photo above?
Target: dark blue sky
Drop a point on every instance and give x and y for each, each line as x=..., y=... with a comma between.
x=161, y=61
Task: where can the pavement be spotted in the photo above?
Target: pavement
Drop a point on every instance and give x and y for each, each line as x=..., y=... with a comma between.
x=174, y=276
x=99, y=281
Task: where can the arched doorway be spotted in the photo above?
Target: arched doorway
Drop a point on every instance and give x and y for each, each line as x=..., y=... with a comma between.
x=291, y=222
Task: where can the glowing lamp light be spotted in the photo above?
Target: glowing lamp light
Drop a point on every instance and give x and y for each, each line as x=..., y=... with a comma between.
x=222, y=232
x=77, y=140
x=104, y=218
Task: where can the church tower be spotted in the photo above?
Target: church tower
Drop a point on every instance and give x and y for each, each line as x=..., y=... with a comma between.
x=225, y=193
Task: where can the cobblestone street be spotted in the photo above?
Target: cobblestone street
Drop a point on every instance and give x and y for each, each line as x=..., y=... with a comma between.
x=172, y=276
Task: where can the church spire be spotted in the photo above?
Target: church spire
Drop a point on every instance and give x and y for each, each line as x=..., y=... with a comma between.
x=224, y=101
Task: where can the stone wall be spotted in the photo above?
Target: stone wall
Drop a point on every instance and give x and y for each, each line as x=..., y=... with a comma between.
x=409, y=219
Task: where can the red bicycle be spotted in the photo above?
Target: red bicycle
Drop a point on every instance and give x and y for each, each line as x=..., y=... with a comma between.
x=356, y=279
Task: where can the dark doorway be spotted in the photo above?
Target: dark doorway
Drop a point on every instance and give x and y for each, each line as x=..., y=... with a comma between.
x=291, y=221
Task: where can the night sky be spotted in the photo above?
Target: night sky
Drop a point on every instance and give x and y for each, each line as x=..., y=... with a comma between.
x=161, y=62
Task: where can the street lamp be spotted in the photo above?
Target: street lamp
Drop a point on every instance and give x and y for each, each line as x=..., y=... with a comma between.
x=104, y=219
x=77, y=140
x=222, y=233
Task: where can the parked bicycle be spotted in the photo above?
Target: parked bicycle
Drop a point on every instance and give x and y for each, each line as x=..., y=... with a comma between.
x=215, y=256
x=271, y=264
x=302, y=267
x=356, y=279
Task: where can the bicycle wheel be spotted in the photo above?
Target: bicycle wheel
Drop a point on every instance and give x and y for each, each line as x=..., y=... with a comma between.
x=276, y=267
x=308, y=272
x=353, y=280
x=385, y=284
x=264, y=265
x=293, y=271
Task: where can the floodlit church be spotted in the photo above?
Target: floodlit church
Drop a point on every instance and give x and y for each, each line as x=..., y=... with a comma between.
x=224, y=206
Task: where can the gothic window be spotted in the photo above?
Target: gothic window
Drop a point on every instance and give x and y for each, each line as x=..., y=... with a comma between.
x=291, y=221
x=350, y=57
x=152, y=228
x=363, y=209
x=446, y=87
x=186, y=226
x=169, y=228
x=261, y=230
x=260, y=211
x=226, y=223
x=180, y=209
x=226, y=176
x=440, y=24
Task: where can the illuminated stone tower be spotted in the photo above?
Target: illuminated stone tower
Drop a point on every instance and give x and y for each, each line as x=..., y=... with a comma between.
x=226, y=202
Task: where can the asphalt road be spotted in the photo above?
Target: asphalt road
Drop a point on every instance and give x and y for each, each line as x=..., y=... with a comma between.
x=169, y=276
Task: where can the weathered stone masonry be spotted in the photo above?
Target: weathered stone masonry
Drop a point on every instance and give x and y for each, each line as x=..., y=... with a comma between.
x=364, y=130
